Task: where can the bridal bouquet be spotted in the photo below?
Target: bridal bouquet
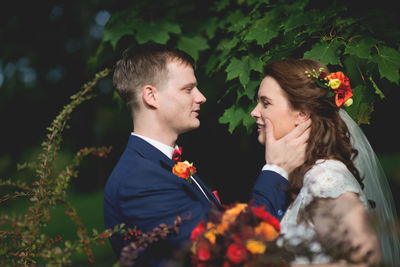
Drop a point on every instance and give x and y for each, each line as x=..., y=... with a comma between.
x=241, y=235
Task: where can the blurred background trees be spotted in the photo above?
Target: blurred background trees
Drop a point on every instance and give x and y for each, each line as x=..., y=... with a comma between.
x=48, y=49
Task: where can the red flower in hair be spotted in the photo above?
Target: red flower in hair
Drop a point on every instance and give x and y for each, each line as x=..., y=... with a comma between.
x=337, y=82
x=340, y=84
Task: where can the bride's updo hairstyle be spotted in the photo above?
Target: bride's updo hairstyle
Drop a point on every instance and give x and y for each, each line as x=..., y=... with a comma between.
x=329, y=136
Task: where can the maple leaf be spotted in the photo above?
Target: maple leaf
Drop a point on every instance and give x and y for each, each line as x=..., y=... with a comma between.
x=327, y=53
x=192, y=45
x=362, y=48
x=263, y=30
x=236, y=114
x=388, y=60
x=158, y=31
x=242, y=68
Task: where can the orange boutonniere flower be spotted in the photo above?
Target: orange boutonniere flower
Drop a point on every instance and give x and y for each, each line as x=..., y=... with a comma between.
x=184, y=170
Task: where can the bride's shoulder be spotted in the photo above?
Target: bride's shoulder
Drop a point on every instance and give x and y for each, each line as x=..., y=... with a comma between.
x=328, y=170
x=327, y=165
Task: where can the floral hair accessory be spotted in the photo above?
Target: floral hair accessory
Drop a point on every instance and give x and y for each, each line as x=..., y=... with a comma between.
x=337, y=82
x=184, y=170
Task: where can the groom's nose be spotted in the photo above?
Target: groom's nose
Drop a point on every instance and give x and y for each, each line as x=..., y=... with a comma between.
x=200, y=98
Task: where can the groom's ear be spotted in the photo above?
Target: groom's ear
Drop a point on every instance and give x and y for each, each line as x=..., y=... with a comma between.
x=149, y=96
x=302, y=116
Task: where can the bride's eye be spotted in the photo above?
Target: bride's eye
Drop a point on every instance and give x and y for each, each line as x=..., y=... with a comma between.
x=265, y=103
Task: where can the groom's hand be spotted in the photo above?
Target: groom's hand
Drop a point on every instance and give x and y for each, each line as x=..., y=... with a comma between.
x=288, y=152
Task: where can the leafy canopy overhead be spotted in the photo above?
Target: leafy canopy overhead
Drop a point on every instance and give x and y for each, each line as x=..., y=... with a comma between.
x=239, y=37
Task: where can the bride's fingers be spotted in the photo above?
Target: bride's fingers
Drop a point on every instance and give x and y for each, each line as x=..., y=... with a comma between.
x=299, y=131
x=269, y=132
x=303, y=138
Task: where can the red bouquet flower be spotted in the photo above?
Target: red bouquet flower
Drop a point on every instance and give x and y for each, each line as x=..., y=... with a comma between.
x=236, y=236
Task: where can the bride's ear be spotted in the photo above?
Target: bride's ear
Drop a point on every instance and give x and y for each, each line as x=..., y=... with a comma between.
x=301, y=117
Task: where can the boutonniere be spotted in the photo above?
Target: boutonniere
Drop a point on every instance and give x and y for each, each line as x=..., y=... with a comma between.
x=182, y=169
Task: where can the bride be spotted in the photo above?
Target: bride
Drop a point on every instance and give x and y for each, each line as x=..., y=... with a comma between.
x=341, y=205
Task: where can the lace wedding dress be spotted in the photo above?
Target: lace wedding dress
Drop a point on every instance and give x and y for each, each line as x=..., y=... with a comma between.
x=330, y=179
x=326, y=179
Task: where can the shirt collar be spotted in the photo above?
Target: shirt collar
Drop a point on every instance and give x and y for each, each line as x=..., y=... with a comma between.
x=165, y=149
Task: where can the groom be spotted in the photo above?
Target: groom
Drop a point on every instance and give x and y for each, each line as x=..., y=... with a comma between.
x=159, y=86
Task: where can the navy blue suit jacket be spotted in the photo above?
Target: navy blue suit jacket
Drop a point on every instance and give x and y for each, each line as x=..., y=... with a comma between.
x=143, y=192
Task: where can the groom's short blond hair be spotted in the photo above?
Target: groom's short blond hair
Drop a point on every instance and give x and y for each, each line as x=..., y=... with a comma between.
x=145, y=64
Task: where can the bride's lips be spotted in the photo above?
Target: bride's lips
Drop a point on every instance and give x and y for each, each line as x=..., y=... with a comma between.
x=260, y=127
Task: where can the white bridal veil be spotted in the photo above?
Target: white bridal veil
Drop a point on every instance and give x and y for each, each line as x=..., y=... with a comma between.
x=377, y=189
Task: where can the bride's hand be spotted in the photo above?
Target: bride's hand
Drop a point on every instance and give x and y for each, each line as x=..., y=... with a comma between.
x=288, y=152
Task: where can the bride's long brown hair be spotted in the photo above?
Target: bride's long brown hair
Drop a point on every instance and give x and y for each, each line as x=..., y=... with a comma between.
x=329, y=136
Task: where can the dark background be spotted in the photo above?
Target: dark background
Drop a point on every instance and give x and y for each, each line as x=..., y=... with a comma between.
x=44, y=52
x=45, y=47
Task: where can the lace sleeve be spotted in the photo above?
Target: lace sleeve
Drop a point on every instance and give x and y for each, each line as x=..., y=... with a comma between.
x=329, y=179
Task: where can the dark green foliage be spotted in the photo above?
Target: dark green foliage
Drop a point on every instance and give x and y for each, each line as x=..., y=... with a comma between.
x=239, y=37
x=23, y=239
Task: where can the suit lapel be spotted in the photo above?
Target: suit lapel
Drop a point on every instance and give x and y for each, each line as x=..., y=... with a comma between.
x=208, y=192
x=151, y=153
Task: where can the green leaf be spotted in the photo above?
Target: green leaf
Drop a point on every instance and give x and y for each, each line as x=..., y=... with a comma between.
x=388, y=60
x=327, y=53
x=234, y=69
x=251, y=88
x=362, y=48
x=117, y=31
x=227, y=44
x=362, y=106
x=296, y=20
x=263, y=30
x=239, y=24
x=158, y=31
x=211, y=65
x=242, y=68
x=251, y=2
x=220, y=5
x=377, y=90
x=192, y=45
x=234, y=115
x=210, y=27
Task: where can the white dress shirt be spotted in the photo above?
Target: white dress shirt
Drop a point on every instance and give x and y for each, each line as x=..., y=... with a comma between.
x=277, y=169
x=168, y=151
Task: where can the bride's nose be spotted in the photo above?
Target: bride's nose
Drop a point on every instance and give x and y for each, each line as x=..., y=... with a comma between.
x=255, y=113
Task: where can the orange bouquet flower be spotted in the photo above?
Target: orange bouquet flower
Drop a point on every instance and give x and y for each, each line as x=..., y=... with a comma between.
x=242, y=234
